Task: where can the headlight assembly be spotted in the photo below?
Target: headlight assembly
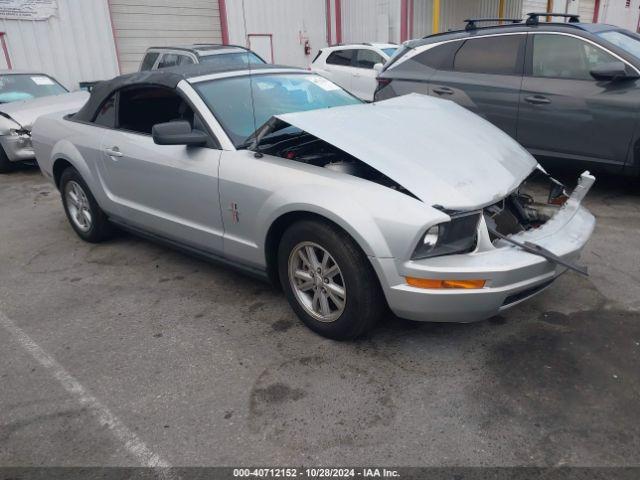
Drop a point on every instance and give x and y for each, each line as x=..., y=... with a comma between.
x=459, y=235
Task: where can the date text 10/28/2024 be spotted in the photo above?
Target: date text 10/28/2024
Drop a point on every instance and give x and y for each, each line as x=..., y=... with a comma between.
x=316, y=472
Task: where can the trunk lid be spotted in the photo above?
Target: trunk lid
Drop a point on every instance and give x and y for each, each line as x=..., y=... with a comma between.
x=439, y=151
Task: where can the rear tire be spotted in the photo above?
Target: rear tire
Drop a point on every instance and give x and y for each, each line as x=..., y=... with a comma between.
x=85, y=216
x=328, y=281
x=6, y=165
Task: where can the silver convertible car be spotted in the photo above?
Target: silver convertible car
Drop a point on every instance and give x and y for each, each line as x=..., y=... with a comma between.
x=412, y=203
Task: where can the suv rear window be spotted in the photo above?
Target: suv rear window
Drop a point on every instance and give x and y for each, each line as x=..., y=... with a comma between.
x=149, y=60
x=499, y=55
x=440, y=57
x=340, y=57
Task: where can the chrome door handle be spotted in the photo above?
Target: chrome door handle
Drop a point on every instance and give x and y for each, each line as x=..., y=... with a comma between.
x=113, y=152
x=443, y=91
x=537, y=100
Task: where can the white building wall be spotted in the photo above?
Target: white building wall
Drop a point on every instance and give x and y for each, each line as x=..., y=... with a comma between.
x=584, y=8
x=454, y=12
x=289, y=22
x=371, y=21
x=140, y=24
x=615, y=12
x=73, y=46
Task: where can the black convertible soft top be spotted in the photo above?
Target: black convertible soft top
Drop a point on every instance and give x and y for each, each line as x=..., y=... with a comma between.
x=166, y=77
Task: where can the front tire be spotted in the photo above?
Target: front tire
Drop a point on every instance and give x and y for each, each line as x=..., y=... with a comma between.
x=328, y=280
x=85, y=216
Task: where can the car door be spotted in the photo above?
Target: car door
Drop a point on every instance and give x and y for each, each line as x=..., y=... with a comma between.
x=564, y=112
x=168, y=190
x=339, y=67
x=363, y=80
x=484, y=75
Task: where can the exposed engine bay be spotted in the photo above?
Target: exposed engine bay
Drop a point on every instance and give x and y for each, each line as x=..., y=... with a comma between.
x=530, y=206
x=293, y=144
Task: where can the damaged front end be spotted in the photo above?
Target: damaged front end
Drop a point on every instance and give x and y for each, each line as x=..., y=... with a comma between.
x=15, y=139
x=539, y=207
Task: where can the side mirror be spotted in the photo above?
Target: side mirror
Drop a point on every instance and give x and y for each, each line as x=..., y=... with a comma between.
x=178, y=133
x=378, y=67
x=611, y=71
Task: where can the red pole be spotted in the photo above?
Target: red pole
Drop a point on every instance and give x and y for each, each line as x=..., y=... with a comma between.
x=338, y=21
x=596, y=11
x=224, y=27
x=404, y=8
x=6, y=51
x=328, y=7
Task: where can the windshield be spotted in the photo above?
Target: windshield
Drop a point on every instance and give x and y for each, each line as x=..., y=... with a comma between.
x=25, y=87
x=232, y=59
x=390, y=51
x=622, y=40
x=230, y=99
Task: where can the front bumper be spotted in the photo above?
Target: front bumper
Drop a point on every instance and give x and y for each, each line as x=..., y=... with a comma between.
x=512, y=275
x=18, y=147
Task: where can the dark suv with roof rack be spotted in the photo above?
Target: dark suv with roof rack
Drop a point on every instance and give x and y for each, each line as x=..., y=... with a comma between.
x=568, y=92
x=222, y=55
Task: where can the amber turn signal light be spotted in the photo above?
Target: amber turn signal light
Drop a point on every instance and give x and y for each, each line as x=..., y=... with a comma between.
x=433, y=283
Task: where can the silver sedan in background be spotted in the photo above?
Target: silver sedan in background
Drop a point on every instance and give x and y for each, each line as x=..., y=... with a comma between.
x=24, y=96
x=412, y=203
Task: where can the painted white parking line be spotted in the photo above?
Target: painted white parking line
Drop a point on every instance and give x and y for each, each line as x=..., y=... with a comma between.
x=132, y=443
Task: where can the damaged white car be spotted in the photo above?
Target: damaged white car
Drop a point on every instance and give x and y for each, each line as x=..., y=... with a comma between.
x=412, y=203
x=24, y=96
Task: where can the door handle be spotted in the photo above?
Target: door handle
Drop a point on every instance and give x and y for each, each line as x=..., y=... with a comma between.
x=443, y=91
x=537, y=100
x=113, y=152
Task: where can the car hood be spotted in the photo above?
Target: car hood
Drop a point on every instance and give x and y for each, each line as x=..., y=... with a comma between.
x=27, y=111
x=439, y=151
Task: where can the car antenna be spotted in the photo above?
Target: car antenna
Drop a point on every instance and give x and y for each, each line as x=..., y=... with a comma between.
x=258, y=153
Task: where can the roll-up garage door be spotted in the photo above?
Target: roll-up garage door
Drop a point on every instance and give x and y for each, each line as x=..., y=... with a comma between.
x=140, y=24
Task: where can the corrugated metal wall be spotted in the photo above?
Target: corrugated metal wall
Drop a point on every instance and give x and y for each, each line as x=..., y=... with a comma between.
x=454, y=12
x=620, y=13
x=371, y=21
x=290, y=23
x=584, y=8
x=140, y=24
x=76, y=45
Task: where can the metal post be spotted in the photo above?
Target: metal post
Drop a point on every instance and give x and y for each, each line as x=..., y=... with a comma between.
x=501, y=11
x=435, y=25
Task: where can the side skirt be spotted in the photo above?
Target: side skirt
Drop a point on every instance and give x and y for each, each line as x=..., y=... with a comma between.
x=193, y=251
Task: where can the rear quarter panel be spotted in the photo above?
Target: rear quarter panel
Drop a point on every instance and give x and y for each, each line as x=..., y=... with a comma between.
x=56, y=139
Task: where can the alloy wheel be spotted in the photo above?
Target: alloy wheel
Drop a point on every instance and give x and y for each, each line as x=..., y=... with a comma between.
x=78, y=206
x=317, y=281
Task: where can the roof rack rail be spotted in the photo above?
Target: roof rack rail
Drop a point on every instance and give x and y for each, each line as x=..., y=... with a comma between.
x=534, y=17
x=471, y=22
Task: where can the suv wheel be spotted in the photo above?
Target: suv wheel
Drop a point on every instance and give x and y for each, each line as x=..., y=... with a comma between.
x=85, y=216
x=329, y=281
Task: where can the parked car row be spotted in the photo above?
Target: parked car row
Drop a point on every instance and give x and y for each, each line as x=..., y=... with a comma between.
x=410, y=203
x=568, y=92
x=353, y=66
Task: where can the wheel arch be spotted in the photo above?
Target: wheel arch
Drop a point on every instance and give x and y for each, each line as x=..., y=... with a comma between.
x=282, y=223
x=59, y=166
